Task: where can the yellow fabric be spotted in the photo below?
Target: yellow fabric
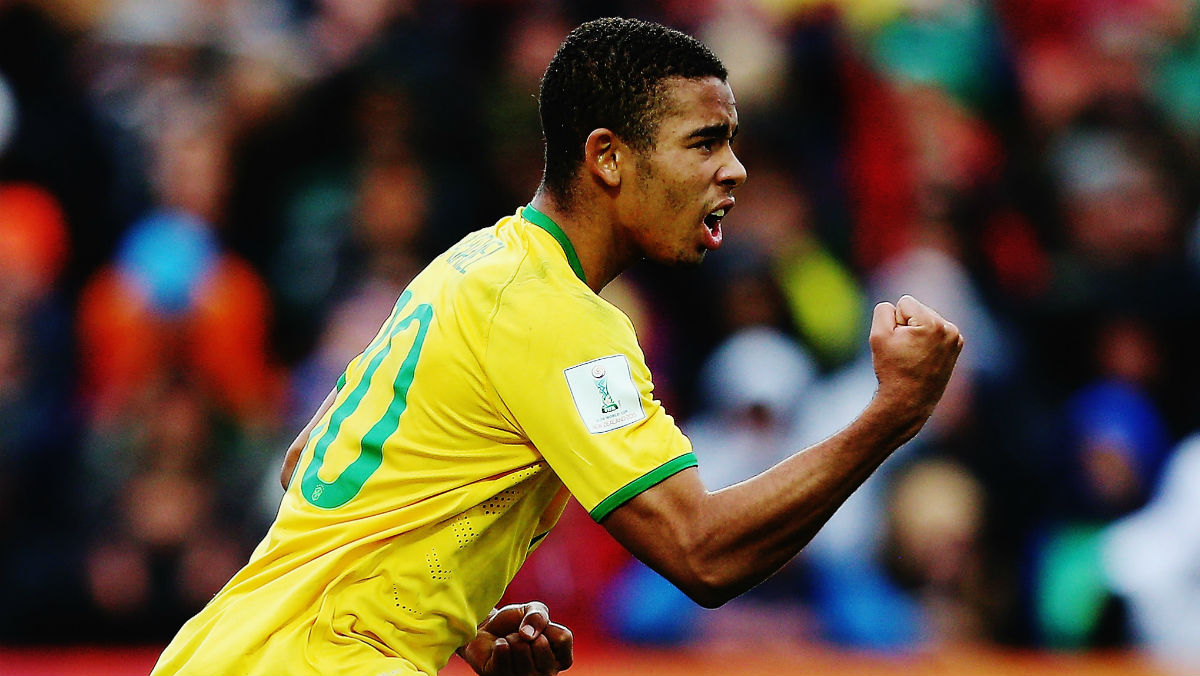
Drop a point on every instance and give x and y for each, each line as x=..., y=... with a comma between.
x=389, y=570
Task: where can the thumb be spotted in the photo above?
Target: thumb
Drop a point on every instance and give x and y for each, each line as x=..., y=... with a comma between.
x=535, y=621
x=884, y=320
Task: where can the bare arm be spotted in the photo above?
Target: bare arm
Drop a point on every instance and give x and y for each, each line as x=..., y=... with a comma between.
x=715, y=546
x=293, y=451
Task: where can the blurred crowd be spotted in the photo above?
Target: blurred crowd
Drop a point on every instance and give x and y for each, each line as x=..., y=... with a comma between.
x=208, y=207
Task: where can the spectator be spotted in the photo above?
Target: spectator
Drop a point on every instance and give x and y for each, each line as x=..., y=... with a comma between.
x=1150, y=558
x=38, y=431
x=1117, y=443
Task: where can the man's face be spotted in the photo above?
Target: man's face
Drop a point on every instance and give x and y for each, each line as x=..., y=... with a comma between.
x=683, y=187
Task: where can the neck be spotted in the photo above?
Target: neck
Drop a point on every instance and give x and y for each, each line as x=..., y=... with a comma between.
x=593, y=233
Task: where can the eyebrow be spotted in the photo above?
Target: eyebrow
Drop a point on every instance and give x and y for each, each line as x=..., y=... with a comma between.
x=720, y=130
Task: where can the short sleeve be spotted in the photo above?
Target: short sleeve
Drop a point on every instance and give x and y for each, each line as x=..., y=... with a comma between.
x=568, y=372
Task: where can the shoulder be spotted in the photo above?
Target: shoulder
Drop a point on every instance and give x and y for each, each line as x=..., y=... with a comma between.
x=533, y=273
x=513, y=276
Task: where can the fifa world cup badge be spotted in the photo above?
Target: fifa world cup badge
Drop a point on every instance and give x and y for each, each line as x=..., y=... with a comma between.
x=605, y=394
x=607, y=403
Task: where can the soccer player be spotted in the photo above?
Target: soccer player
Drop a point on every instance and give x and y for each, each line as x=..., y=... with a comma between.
x=502, y=383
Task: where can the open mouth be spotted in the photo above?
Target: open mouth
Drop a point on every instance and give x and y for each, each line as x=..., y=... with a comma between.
x=713, y=220
x=712, y=226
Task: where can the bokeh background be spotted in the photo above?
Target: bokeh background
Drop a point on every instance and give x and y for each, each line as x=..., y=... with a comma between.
x=208, y=206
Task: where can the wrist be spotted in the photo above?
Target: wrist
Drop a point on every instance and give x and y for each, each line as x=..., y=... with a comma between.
x=896, y=416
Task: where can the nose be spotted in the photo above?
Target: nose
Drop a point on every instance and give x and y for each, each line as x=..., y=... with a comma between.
x=732, y=173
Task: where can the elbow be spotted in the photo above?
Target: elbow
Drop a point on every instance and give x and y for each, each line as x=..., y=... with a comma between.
x=708, y=598
x=707, y=583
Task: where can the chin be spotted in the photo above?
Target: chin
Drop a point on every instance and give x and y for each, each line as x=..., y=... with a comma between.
x=683, y=257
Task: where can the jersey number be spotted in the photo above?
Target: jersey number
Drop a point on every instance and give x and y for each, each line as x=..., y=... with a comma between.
x=333, y=494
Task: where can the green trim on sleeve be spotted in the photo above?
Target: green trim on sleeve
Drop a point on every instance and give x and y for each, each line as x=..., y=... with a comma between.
x=546, y=223
x=633, y=488
x=341, y=381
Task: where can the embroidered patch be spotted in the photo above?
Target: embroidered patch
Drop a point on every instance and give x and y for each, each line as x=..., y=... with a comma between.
x=604, y=393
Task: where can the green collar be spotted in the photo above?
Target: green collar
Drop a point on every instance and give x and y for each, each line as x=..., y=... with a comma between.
x=546, y=223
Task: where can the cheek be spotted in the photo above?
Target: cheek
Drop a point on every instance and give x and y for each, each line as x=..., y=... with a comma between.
x=676, y=198
x=664, y=185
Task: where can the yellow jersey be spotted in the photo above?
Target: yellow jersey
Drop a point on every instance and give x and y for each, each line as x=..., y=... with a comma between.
x=500, y=385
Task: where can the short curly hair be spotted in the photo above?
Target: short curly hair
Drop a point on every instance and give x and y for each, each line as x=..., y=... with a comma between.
x=609, y=73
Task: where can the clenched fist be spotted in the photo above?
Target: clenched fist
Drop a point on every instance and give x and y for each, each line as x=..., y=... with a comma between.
x=520, y=640
x=914, y=350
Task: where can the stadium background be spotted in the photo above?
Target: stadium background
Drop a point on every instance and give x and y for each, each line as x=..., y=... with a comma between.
x=206, y=208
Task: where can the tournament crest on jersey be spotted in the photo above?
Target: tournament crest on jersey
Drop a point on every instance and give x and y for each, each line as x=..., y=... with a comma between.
x=605, y=394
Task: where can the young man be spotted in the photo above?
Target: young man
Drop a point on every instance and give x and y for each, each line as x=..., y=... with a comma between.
x=502, y=383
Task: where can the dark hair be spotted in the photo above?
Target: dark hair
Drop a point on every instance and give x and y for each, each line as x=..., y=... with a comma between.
x=609, y=73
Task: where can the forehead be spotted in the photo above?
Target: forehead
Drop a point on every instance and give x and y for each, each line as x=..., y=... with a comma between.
x=695, y=103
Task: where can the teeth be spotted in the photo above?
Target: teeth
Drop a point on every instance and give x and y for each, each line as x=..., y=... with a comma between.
x=719, y=213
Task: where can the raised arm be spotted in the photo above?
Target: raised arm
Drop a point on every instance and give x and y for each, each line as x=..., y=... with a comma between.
x=715, y=546
x=293, y=452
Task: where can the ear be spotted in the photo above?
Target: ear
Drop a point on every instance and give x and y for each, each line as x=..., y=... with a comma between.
x=604, y=155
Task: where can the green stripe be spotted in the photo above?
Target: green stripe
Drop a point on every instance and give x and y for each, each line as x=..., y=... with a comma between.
x=310, y=480
x=372, y=442
x=640, y=484
x=546, y=223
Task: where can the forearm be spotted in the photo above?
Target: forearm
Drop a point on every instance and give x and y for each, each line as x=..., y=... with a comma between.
x=749, y=530
x=717, y=545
